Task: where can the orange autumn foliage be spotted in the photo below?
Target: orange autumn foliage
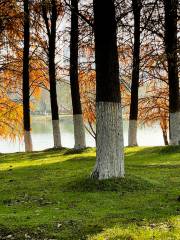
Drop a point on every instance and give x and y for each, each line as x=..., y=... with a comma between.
x=10, y=119
x=87, y=91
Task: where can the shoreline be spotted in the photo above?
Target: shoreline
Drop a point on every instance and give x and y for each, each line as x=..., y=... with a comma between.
x=48, y=117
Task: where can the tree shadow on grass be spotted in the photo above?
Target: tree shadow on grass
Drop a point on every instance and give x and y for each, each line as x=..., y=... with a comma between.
x=133, y=151
x=78, y=151
x=69, y=229
x=130, y=183
x=40, y=155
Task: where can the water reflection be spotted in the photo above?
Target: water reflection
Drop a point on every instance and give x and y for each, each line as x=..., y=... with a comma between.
x=42, y=135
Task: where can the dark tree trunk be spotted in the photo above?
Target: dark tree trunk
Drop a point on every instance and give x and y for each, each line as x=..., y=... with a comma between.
x=26, y=89
x=52, y=77
x=132, y=138
x=170, y=7
x=79, y=132
x=165, y=137
x=51, y=31
x=110, y=157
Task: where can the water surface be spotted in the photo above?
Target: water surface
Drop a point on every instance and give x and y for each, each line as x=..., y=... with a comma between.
x=42, y=135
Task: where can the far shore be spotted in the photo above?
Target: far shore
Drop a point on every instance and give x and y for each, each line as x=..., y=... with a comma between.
x=48, y=116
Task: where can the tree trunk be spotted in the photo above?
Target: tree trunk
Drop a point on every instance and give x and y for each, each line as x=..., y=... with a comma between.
x=79, y=131
x=26, y=90
x=132, y=137
x=165, y=137
x=52, y=78
x=170, y=7
x=110, y=156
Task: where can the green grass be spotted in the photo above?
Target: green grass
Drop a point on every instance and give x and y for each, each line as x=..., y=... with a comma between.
x=49, y=195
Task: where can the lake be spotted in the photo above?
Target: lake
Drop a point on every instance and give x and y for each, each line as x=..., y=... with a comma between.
x=42, y=135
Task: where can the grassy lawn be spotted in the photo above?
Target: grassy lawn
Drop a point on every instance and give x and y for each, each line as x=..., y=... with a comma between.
x=49, y=195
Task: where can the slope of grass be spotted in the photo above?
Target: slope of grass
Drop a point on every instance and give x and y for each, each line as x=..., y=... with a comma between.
x=49, y=195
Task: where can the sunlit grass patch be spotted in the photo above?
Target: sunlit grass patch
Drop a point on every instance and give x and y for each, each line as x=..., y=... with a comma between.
x=160, y=231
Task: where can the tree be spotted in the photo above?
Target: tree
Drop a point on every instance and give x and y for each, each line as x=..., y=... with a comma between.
x=87, y=84
x=10, y=118
x=79, y=131
x=26, y=94
x=14, y=62
x=51, y=32
x=133, y=117
x=170, y=9
x=110, y=157
x=153, y=108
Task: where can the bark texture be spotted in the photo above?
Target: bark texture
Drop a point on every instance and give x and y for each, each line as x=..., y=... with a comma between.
x=174, y=128
x=170, y=7
x=79, y=133
x=56, y=134
x=109, y=155
x=28, y=141
x=132, y=134
x=79, y=130
x=109, y=146
x=132, y=137
x=26, y=88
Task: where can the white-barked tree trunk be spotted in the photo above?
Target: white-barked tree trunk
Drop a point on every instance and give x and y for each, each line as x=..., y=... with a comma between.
x=132, y=133
x=174, y=128
x=56, y=134
x=109, y=132
x=79, y=131
x=28, y=141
